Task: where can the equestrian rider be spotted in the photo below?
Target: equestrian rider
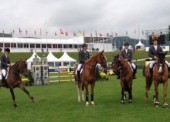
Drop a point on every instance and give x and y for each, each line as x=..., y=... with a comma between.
x=83, y=56
x=127, y=54
x=153, y=50
x=5, y=63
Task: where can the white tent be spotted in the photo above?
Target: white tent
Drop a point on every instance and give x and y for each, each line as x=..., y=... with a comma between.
x=30, y=60
x=65, y=60
x=140, y=46
x=52, y=60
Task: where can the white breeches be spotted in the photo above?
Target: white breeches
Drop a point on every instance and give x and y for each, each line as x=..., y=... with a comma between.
x=79, y=67
x=3, y=73
x=153, y=62
x=133, y=65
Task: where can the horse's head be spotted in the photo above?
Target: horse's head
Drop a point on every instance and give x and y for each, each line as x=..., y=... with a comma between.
x=22, y=68
x=116, y=63
x=102, y=59
x=161, y=57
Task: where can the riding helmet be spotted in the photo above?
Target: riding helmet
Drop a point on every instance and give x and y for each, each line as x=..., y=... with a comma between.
x=7, y=50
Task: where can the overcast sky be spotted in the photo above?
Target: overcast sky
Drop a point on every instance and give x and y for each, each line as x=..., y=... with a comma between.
x=103, y=16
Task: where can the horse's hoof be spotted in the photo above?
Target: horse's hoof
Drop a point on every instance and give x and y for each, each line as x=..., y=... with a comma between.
x=165, y=105
x=87, y=103
x=156, y=105
x=130, y=100
x=123, y=101
x=92, y=103
x=15, y=106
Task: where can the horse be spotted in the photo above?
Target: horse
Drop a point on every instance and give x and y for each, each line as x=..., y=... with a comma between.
x=88, y=76
x=159, y=75
x=14, y=79
x=120, y=65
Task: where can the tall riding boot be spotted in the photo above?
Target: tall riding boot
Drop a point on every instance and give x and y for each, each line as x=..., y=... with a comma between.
x=168, y=72
x=134, y=73
x=78, y=75
x=118, y=75
x=151, y=71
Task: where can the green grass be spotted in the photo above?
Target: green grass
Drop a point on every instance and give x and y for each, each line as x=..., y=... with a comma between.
x=57, y=102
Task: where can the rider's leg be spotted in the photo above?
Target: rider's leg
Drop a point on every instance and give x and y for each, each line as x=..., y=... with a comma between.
x=134, y=70
x=78, y=71
x=151, y=66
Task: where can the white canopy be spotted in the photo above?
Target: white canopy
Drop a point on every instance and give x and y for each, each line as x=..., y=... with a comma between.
x=32, y=57
x=65, y=59
x=52, y=58
x=30, y=60
x=140, y=45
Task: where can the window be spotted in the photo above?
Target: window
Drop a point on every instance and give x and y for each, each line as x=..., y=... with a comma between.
x=37, y=45
x=32, y=45
x=54, y=45
x=25, y=45
x=13, y=44
x=20, y=45
x=59, y=46
x=44, y=45
x=70, y=46
x=49, y=45
x=1, y=44
x=7, y=44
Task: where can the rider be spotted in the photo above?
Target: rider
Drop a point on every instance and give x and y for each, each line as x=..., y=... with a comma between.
x=83, y=56
x=5, y=63
x=153, y=50
x=127, y=54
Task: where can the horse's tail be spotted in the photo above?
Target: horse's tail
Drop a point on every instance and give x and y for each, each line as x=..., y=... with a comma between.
x=144, y=71
x=148, y=77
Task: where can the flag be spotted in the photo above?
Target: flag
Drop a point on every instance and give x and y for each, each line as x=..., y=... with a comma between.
x=66, y=33
x=126, y=33
x=115, y=34
x=143, y=32
x=46, y=33
x=20, y=31
x=35, y=32
x=3, y=31
x=100, y=35
x=134, y=31
x=40, y=32
x=74, y=34
x=107, y=34
x=91, y=34
x=61, y=31
x=26, y=32
x=55, y=34
x=96, y=33
x=13, y=32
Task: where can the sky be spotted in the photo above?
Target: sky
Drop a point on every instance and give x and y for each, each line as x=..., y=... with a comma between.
x=124, y=17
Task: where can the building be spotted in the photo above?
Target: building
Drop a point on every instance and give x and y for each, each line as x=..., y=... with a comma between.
x=54, y=45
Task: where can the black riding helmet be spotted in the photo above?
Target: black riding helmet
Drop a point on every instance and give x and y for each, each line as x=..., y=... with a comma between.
x=84, y=45
x=7, y=50
x=126, y=44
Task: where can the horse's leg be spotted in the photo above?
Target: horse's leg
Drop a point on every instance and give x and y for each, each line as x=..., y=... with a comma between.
x=122, y=93
x=82, y=92
x=22, y=86
x=165, y=85
x=156, y=101
x=87, y=93
x=92, y=93
x=13, y=96
x=78, y=91
x=147, y=87
x=130, y=91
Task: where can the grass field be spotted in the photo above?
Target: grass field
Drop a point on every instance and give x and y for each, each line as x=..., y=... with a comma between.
x=57, y=102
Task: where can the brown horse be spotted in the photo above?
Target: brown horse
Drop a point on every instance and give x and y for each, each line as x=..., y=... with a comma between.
x=14, y=80
x=159, y=75
x=88, y=75
x=120, y=65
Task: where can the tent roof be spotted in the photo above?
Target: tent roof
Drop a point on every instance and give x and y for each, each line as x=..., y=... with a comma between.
x=51, y=57
x=66, y=57
x=32, y=57
x=139, y=44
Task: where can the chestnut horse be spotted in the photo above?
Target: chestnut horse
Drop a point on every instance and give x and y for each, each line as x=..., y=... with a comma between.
x=159, y=75
x=14, y=79
x=88, y=75
x=120, y=65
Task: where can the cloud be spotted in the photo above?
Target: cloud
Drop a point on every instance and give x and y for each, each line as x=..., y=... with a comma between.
x=88, y=16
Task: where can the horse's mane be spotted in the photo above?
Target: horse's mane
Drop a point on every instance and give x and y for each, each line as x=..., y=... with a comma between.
x=94, y=56
x=15, y=64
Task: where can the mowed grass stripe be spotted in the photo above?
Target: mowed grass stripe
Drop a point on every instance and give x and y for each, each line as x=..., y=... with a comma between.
x=57, y=102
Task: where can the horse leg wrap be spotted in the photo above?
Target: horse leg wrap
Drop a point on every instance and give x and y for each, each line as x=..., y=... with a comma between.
x=87, y=97
x=92, y=97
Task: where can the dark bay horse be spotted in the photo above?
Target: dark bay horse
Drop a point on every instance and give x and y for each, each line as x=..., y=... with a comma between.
x=120, y=65
x=14, y=79
x=159, y=75
x=88, y=75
